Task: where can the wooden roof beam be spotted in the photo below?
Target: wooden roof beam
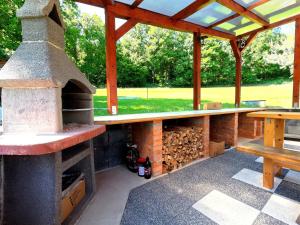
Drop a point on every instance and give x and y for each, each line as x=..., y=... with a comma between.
x=235, y=49
x=254, y=5
x=136, y=3
x=108, y=2
x=98, y=3
x=243, y=11
x=191, y=9
x=125, y=28
x=156, y=19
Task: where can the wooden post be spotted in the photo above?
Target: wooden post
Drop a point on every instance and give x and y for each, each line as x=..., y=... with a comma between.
x=274, y=133
x=111, y=63
x=238, y=72
x=268, y=178
x=197, y=71
x=296, y=79
x=238, y=80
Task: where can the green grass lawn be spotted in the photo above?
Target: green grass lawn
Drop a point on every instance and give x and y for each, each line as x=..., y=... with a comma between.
x=179, y=99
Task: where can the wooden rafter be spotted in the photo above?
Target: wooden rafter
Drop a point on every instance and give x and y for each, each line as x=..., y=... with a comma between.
x=254, y=5
x=243, y=11
x=191, y=9
x=156, y=19
x=136, y=3
x=99, y=3
x=160, y=20
x=271, y=26
x=108, y=2
x=125, y=28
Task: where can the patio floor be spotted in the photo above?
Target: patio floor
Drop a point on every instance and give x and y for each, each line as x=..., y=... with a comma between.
x=222, y=190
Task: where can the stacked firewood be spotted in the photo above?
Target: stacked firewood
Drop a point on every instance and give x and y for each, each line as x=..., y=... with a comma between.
x=181, y=145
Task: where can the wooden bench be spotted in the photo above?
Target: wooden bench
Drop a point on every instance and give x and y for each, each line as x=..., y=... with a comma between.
x=274, y=160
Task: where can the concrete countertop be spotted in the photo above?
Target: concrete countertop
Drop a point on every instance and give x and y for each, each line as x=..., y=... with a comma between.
x=30, y=144
x=143, y=117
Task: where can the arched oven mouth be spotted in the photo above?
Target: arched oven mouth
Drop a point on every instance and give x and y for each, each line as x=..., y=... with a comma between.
x=77, y=103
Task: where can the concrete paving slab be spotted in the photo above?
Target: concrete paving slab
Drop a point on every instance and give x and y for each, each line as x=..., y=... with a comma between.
x=113, y=188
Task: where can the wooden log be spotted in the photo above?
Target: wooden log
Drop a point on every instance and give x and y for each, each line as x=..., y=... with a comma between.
x=181, y=145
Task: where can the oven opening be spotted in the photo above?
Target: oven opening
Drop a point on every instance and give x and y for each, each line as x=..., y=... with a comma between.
x=76, y=104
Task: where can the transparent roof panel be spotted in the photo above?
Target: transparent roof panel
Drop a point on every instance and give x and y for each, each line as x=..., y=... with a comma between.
x=285, y=14
x=272, y=7
x=246, y=3
x=165, y=7
x=210, y=14
x=223, y=30
x=238, y=26
x=129, y=2
x=235, y=23
x=247, y=28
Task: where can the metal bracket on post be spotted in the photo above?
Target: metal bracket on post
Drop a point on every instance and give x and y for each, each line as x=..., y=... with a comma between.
x=202, y=39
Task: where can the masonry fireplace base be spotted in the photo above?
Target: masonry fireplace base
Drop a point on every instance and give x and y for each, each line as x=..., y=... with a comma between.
x=33, y=171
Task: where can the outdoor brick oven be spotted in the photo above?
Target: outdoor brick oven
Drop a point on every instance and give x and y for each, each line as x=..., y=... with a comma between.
x=47, y=122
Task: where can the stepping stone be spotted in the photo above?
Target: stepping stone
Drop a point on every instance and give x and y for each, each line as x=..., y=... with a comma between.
x=255, y=178
x=298, y=220
x=283, y=209
x=260, y=160
x=226, y=210
x=293, y=176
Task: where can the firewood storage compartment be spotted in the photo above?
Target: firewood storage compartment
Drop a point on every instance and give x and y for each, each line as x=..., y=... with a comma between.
x=182, y=142
x=47, y=126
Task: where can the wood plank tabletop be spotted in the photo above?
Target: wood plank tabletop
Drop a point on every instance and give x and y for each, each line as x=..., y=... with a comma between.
x=275, y=115
x=144, y=117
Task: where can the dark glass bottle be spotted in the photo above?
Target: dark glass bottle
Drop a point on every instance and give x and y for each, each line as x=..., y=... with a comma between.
x=148, y=171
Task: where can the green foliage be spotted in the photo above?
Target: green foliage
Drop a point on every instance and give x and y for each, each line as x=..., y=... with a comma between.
x=10, y=27
x=151, y=56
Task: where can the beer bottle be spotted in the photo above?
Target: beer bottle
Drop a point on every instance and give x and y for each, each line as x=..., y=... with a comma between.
x=148, y=171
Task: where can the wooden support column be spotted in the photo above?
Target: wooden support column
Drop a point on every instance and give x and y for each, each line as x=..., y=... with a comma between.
x=197, y=71
x=238, y=80
x=296, y=79
x=274, y=133
x=238, y=72
x=111, y=63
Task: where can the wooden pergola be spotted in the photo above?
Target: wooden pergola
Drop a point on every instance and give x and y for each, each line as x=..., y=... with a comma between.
x=238, y=21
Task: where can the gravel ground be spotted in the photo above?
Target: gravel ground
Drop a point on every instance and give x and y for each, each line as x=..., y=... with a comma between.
x=169, y=199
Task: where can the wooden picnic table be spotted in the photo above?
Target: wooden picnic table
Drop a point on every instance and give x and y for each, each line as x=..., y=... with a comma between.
x=275, y=156
x=274, y=126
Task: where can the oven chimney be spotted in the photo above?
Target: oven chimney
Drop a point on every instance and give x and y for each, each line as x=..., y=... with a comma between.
x=33, y=79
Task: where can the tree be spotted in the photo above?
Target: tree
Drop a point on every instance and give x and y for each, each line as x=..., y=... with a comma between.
x=151, y=56
x=10, y=27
